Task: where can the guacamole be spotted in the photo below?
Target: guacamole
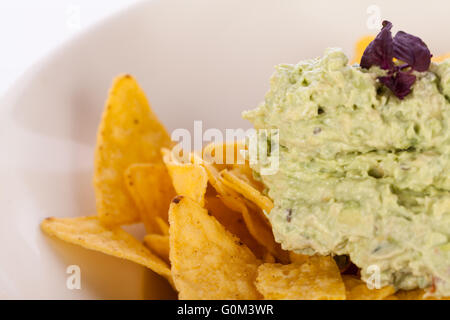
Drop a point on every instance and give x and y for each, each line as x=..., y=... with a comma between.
x=362, y=172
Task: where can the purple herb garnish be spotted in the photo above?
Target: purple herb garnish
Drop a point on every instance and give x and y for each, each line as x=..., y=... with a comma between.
x=399, y=83
x=412, y=50
x=405, y=47
x=380, y=51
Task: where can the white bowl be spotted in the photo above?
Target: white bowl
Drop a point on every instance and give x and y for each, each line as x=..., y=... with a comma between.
x=197, y=60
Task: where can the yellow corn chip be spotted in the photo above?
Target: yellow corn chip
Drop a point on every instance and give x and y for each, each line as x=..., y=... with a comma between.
x=257, y=224
x=151, y=189
x=441, y=57
x=89, y=233
x=215, y=180
x=356, y=289
x=225, y=154
x=268, y=258
x=166, y=155
x=247, y=191
x=245, y=173
x=316, y=279
x=228, y=155
x=163, y=226
x=391, y=297
x=128, y=133
x=360, y=47
x=258, y=229
x=189, y=180
x=228, y=196
x=297, y=257
x=262, y=232
x=158, y=244
x=417, y=294
x=234, y=223
x=208, y=262
x=232, y=200
x=238, y=198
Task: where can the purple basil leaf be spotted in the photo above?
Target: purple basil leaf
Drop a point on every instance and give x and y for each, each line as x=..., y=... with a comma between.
x=380, y=51
x=412, y=50
x=400, y=84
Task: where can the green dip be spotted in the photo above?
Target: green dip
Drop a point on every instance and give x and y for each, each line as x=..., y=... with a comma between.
x=360, y=171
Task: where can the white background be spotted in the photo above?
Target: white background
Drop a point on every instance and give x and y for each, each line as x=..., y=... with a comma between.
x=29, y=29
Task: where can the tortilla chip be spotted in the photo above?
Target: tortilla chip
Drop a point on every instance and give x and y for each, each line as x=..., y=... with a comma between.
x=417, y=294
x=391, y=297
x=231, y=190
x=190, y=180
x=245, y=173
x=247, y=191
x=441, y=57
x=234, y=223
x=213, y=178
x=356, y=289
x=360, y=47
x=225, y=154
x=262, y=232
x=316, y=279
x=128, y=133
x=268, y=258
x=163, y=226
x=297, y=257
x=166, y=155
x=208, y=262
x=158, y=244
x=230, y=197
x=151, y=189
x=89, y=233
x=257, y=226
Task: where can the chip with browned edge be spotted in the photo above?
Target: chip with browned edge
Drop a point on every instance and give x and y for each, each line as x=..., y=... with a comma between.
x=151, y=189
x=208, y=262
x=89, y=233
x=318, y=278
x=128, y=133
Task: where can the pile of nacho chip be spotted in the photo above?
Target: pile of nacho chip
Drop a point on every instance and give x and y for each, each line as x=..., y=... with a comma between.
x=207, y=230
